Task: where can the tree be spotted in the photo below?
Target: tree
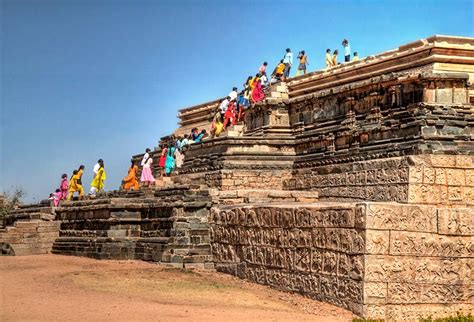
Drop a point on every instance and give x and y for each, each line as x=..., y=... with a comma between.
x=8, y=202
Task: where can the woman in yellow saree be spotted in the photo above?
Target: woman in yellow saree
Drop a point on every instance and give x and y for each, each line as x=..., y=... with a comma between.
x=98, y=183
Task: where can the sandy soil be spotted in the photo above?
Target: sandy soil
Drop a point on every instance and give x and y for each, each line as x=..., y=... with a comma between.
x=51, y=287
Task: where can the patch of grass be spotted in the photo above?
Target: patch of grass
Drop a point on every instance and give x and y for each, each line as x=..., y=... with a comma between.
x=458, y=318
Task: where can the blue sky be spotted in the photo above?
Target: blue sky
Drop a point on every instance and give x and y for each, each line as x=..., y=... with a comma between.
x=90, y=79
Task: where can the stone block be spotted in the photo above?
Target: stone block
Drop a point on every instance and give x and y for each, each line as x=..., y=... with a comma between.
x=441, y=177
x=469, y=195
x=427, y=244
x=125, y=215
x=401, y=217
x=375, y=293
x=465, y=161
x=27, y=224
x=442, y=161
x=456, y=221
x=424, y=193
x=408, y=269
x=455, y=177
x=117, y=233
x=455, y=194
x=416, y=174
x=377, y=241
x=469, y=177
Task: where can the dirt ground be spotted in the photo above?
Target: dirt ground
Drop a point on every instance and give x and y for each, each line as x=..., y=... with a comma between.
x=52, y=287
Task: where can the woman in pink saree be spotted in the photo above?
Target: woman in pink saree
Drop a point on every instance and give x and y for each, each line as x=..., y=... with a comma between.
x=257, y=93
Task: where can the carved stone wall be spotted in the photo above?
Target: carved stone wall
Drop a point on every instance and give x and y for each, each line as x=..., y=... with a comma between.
x=442, y=179
x=315, y=250
x=419, y=262
x=421, y=179
x=380, y=260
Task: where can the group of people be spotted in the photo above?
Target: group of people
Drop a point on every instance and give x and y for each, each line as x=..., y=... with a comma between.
x=67, y=188
x=331, y=60
x=171, y=158
x=230, y=111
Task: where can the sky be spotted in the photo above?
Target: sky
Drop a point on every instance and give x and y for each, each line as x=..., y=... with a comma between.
x=87, y=79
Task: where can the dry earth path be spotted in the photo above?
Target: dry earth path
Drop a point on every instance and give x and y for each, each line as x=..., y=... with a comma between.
x=51, y=287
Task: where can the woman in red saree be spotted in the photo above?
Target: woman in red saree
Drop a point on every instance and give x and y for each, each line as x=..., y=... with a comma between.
x=257, y=93
x=229, y=116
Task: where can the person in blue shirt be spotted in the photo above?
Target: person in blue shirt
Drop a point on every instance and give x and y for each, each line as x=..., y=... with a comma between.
x=347, y=50
x=288, y=61
x=200, y=136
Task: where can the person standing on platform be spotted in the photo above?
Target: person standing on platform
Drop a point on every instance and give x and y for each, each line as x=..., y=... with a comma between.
x=347, y=50
x=233, y=94
x=328, y=58
x=98, y=183
x=288, y=61
x=263, y=68
x=334, y=58
x=130, y=182
x=303, y=62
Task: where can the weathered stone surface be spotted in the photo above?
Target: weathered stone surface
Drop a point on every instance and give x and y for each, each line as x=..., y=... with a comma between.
x=456, y=221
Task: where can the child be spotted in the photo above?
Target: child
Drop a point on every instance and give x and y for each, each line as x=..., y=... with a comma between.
x=56, y=197
x=63, y=186
x=356, y=56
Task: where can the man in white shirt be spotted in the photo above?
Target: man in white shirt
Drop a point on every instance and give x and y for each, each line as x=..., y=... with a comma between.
x=97, y=166
x=224, y=105
x=233, y=94
x=288, y=61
